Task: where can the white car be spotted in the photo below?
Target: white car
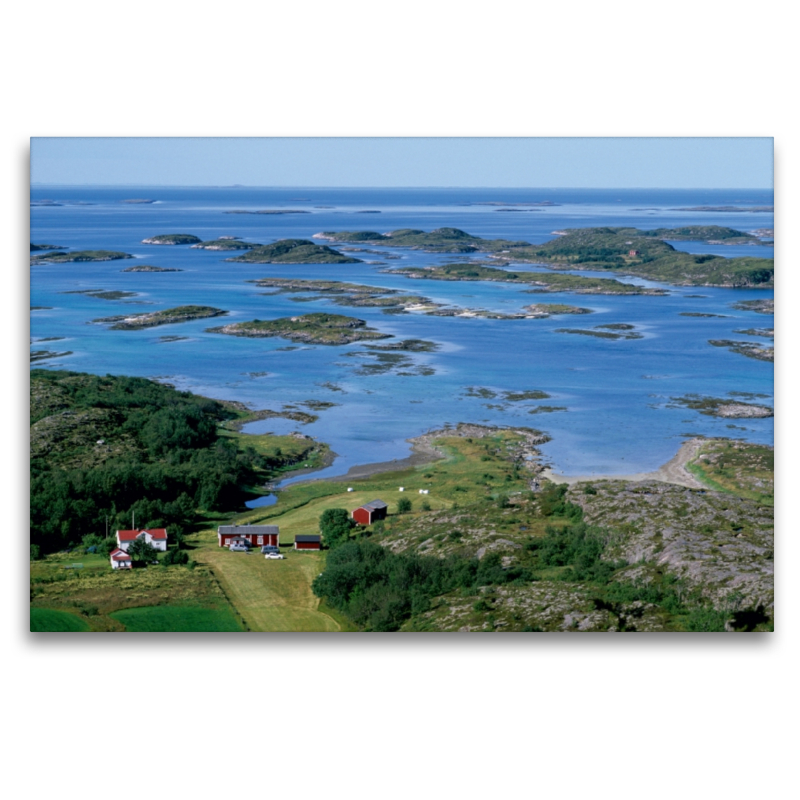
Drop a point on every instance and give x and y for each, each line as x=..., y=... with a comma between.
x=239, y=548
x=274, y=555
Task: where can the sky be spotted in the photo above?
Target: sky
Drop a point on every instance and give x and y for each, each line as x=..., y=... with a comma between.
x=545, y=162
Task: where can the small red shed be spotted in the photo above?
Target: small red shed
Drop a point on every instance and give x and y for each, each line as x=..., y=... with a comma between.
x=256, y=535
x=307, y=542
x=370, y=512
x=633, y=253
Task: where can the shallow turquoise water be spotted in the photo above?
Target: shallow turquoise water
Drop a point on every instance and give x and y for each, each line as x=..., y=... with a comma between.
x=615, y=391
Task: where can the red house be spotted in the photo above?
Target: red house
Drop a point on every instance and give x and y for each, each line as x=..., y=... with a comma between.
x=370, y=512
x=633, y=253
x=256, y=535
x=307, y=542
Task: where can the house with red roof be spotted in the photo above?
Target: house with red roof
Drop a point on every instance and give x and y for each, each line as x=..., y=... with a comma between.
x=120, y=559
x=154, y=536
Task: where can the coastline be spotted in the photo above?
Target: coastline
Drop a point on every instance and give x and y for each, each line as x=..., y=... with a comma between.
x=421, y=453
x=674, y=471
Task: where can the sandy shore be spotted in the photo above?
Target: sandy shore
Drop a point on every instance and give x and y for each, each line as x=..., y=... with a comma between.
x=420, y=454
x=674, y=471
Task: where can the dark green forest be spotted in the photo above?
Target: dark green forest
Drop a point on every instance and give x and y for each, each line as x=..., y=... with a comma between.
x=105, y=447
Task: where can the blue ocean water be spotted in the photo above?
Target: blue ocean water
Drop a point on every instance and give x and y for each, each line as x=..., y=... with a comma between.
x=616, y=392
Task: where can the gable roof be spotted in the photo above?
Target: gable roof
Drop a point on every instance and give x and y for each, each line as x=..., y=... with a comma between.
x=311, y=537
x=374, y=505
x=129, y=536
x=120, y=555
x=259, y=530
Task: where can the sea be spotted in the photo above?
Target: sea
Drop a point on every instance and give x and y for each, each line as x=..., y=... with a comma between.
x=615, y=414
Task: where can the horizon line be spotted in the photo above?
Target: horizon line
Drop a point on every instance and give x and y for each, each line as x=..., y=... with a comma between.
x=291, y=186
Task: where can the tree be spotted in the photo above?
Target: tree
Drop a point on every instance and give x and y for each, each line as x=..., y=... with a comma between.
x=403, y=505
x=335, y=525
x=142, y=550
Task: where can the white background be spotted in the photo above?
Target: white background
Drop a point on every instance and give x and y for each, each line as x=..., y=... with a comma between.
x=396, y=716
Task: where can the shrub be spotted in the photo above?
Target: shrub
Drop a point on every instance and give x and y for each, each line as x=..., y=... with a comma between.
x=35, y=552
x=403, y=505
x=426, y=506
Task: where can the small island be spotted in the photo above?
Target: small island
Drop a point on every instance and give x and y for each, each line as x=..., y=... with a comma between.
x=78, y=255
x=766, y=306
x=613, y=330
x=269, y=211
x=225, y=243
x=329, y=329
x=749, y=349
x=149, y=268
x=294, y=251
x=545, y=310
x=136, y=201
x=44, y=355
x=173, y=239
x=103, y=294
x=719, y=407
x=168, y=316
x=35, y=247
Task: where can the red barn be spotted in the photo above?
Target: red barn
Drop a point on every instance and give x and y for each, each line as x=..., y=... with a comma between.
x=307, y=542
x=256, y=535
x=370, y=512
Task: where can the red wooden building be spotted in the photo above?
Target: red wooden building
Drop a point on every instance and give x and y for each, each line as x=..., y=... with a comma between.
x=307, y=542
x=370, y=512
x=255, y=535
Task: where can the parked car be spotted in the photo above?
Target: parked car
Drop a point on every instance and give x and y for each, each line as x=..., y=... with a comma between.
x=238, y=548
x=269, y=548
x=274, y=555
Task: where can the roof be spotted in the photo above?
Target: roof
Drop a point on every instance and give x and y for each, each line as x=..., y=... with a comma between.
x=375, y=504
x=310, y=537
x=120, y=555
x=243, y=530
x=129, y=536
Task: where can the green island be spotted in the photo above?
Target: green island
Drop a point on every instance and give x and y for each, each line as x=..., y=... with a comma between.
x=103, y=294
x=750, y=349
x=700, y=314
x=480, y=551
x=168, y=316
x=543, y=281
x=728, y=408
x=441, y=240
x=44, y=355
x=270, y=211
x=549, y=309
x=35, y=247
x=172, y=239
x=619, y=330
x=225, y=244
x=59, y=257
x=768, y=333
x=645, y=254
x=766, y=306
x=149, y=268
x=135, y=201
x=294, y=251
x=330, y=329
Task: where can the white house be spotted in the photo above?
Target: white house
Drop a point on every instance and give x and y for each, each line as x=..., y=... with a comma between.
x=120, y=559
x=155, y=536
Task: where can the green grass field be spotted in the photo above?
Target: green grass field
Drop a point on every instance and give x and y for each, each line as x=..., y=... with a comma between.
x=46, y=620
x=176, y=619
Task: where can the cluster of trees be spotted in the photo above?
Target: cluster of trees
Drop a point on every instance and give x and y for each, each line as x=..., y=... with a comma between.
x=379, y=590
x=173, y=462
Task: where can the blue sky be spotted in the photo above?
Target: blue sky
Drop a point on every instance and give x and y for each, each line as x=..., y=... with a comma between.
x=503, y=162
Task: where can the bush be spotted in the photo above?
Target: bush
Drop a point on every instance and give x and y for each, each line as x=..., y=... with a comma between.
x=335, y=525
x=403, y=505
x=35, y=552
x=175, y=556
x=426, y=506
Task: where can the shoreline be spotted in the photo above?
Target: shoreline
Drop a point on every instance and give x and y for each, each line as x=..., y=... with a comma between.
x=420, y=454
x=674, y=471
